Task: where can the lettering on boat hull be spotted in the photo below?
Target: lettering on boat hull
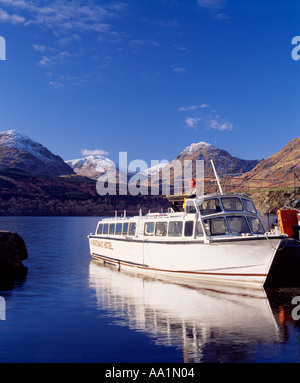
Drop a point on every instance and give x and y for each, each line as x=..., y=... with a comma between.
x=102, y=244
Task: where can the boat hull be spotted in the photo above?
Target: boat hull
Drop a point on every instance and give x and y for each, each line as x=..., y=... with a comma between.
x=234, y=261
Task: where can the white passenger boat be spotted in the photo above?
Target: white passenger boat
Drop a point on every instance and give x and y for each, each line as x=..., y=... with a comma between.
x=217, y=237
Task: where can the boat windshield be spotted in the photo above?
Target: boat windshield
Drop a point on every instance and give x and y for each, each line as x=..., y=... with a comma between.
x=215, y=226
x=255, y=225
x=249, y=206
x=238, y=225
x=210, y=206
x=232, y=204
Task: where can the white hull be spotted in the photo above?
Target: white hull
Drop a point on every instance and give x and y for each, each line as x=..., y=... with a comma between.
x=237, y=260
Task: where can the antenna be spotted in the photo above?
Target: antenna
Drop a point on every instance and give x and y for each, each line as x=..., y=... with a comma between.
x=216, y=175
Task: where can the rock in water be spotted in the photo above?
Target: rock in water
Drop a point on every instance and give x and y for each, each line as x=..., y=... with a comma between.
x=12, y=252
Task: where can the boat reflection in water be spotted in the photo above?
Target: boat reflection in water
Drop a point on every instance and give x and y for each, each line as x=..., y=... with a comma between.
x=209, y=322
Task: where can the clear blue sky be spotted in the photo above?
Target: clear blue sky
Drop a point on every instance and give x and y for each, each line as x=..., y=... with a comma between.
x=150, y=77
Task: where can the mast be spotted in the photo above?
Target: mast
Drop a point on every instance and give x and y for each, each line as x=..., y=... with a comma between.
x=217, y=178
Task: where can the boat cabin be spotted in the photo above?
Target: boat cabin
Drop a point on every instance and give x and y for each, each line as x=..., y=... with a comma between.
x=203, y=218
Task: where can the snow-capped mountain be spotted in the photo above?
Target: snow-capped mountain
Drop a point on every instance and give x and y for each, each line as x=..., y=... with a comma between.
x=195, y=147
x=224, y=162
x=20, y=152
x=92, y=166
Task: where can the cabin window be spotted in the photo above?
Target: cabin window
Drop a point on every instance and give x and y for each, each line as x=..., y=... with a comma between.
x=105, y=228
x=232, y=204
x=125, y=228
x=175, y=229
x=118, y=229
x=149, y=228
x=190, y=207
x=210, y=206
x=249, y=206
x=255, y=225
x=199, y=229
x=112, y=228
x=215, y=226
x=100, y=228
x=161, y=229
x=238, y=225
x=132, y=228
x=188, y=228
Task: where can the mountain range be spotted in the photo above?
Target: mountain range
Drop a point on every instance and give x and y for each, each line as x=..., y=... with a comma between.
x=94, y=166
x=34, y=181
x=17, y=151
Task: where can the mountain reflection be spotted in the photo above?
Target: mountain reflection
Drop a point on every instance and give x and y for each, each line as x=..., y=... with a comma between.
x=208, y=322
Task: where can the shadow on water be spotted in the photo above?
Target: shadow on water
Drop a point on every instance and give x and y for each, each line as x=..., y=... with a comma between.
x=9, y=278
x=285, y=303
x=208, y=322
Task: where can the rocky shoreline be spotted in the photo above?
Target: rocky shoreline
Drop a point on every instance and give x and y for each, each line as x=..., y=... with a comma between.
x=269, y=201
x=24, y=194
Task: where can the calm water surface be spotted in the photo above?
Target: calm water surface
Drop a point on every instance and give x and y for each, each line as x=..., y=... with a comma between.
x=71, y=309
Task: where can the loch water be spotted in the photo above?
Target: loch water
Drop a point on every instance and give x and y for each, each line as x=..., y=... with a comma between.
x=69, y=308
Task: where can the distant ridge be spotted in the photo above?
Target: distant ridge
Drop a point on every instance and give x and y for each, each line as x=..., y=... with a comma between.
x=280, y=164
x=18, y=151
x=91, y=166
